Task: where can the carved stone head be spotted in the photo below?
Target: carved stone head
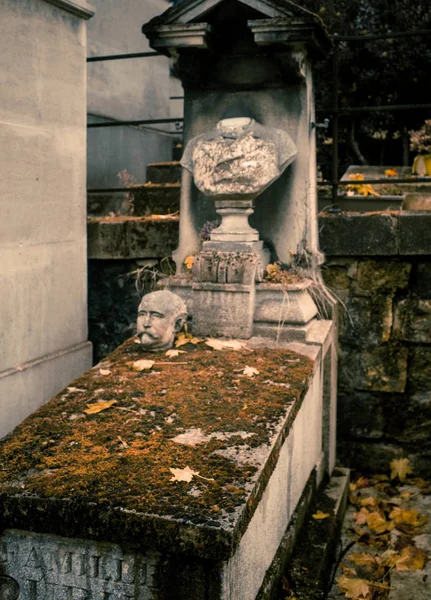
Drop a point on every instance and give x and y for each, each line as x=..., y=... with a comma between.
x=160, y=316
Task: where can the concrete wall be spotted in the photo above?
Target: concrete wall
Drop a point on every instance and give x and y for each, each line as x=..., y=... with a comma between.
x=125, y=90
x=43, y=296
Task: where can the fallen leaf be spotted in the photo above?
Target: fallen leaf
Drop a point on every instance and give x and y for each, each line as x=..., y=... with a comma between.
x=361, y=482
x=362, y=559
x=186, y=338
x=354, y=588
x=143, y=365
x=409, y=517
x=122, y=442
x=74, y=389
x=400, y=467
x=174, y=353
x=189, y=262
x=218, y=344
x=97, y=407
x=391, y=172
x=411, y=558
x=250, y=372
x=320, y=515
x=370, y=501
x=104, y=371
x=377, y=522
x=361, y=516
x=186, y=475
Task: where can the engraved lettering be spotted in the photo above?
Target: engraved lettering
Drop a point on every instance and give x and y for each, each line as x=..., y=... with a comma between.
x=61, y=562
x=112, y=569
x=94, y=566
x=33, y=560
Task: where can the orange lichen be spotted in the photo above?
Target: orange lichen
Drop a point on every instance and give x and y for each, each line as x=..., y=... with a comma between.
x=122, y=456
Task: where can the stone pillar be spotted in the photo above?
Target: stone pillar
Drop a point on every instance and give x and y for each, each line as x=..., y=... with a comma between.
x=43, y=279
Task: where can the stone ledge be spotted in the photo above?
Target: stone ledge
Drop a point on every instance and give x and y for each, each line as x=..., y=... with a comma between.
x=79, y=8
x=414, y=232
x=358, y=234
x=132, y=237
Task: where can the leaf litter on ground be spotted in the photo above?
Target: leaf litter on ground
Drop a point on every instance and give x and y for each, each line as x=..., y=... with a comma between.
x=385, y=527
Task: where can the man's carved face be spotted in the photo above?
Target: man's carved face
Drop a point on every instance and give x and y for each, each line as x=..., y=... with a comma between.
x=160, y=316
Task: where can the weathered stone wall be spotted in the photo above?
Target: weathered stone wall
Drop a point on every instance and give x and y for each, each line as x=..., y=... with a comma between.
x=384, y=386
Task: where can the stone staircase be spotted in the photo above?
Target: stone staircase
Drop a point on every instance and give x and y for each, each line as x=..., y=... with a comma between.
x=151, y=231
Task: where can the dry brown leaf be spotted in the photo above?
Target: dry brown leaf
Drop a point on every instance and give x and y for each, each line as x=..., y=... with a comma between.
x=143, y=365
x=400, y=467
x=411, y=558
x=104, y=371
x=354, y=587
x=362, y=559
x=218, y=344
x=93, y=409
x=320, y=515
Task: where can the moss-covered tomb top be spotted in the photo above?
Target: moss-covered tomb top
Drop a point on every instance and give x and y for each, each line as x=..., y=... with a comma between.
x=109, y=475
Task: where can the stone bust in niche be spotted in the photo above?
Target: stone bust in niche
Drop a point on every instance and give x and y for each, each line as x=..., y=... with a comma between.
x=161, y=315
x=240, y=158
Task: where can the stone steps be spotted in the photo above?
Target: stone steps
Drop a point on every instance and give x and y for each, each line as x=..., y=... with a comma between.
x=157, y=199
x=164, y=172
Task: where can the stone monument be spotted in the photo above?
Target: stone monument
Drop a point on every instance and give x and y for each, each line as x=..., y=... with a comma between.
x=190, y=475
x=249, y=158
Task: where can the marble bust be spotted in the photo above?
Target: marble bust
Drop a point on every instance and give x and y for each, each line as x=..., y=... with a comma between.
x=161, y=315
x=240, y=158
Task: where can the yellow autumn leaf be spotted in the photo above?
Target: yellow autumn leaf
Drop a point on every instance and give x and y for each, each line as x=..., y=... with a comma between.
x=400, y=467
x=391, y=172
x=354, y=587
x=189, y=262
x=93, y=409
x=411, y=558
x=186, y=338
x=409, y=517
x=377, y=522
x=320, y=515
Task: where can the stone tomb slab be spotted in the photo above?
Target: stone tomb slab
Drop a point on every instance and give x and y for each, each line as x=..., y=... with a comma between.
x=89, y=509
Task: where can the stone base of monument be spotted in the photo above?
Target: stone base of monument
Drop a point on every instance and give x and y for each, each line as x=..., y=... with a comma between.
x=273, y=311
x=185, y=477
